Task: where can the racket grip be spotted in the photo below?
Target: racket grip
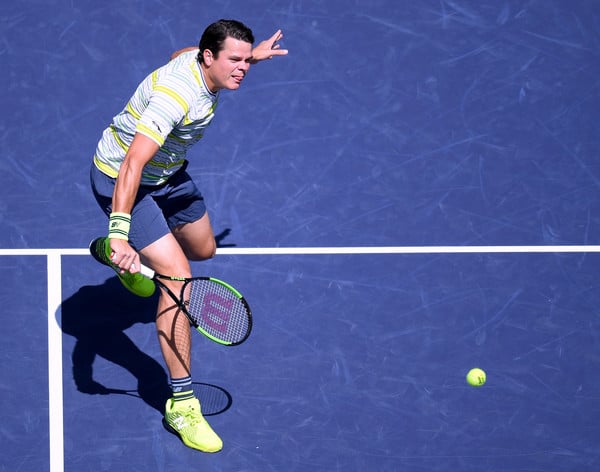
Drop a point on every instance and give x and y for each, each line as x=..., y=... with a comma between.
x=146, y=271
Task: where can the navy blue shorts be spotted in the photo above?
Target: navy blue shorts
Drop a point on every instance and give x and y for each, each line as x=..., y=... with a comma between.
x=157, y=210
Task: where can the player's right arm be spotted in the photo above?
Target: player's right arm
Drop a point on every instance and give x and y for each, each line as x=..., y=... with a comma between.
x=141, y=151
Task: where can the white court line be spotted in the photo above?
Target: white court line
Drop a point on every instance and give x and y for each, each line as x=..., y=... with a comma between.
x=407, y=250
x=345, y=250
x=55, y=373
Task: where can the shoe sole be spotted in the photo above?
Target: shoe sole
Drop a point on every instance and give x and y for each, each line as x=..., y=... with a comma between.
x=173, y=431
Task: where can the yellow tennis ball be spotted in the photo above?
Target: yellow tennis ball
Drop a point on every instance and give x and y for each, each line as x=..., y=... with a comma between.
x=476, y=377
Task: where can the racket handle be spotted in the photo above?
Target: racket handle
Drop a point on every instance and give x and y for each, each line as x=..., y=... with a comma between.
x=146, y=271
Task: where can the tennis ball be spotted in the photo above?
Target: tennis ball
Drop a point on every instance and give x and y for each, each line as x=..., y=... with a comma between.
x=476, y=377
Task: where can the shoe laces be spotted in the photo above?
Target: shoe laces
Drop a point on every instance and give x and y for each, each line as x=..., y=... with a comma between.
x=192, y=416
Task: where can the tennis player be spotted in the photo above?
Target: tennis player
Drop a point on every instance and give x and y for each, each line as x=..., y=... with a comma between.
x=157, y=215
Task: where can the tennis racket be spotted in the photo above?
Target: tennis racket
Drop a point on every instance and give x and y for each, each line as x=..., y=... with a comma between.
x=213, y=307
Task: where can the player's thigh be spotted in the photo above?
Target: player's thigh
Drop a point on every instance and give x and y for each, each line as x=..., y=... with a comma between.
x=166, y=256
x=183, y=206
x=196, y=238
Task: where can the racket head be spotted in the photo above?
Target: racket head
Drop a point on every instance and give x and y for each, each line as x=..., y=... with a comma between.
x=217, y=310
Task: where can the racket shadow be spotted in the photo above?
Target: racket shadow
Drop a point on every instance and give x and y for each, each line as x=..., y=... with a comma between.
x=97, y=317
x=214, y=399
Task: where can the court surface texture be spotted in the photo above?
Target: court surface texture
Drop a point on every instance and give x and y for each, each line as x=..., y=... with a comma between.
x=412, y=192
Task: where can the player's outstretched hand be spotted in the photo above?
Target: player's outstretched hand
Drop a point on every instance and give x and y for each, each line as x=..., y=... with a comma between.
x=268, y=48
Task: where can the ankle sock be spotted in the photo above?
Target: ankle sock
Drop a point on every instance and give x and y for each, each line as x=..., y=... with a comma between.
x=182, y=389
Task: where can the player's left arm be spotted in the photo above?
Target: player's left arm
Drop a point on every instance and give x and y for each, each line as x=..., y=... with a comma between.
x=181, y=51
x=268, y=48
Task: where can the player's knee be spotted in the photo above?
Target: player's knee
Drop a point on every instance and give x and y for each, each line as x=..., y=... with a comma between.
x=206, y=251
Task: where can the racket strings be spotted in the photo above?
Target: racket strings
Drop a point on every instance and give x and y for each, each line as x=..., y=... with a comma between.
x=217, y=310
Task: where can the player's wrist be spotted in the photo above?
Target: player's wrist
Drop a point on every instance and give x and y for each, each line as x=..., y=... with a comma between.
x=118, y=225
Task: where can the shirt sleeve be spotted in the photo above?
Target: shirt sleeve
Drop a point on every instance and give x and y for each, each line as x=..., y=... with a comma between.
x=166, y=108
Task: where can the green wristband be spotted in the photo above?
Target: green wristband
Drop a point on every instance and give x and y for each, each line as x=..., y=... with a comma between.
x=118, y=225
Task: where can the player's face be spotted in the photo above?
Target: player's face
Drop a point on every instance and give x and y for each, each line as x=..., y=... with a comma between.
x=228, y=69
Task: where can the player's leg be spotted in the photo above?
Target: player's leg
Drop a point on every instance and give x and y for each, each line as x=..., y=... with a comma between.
x=183, y=414
x=190, y=237
x=183, y=207
x=196, y=239
x=193, y=241
x=166, y=257
x=169, y=255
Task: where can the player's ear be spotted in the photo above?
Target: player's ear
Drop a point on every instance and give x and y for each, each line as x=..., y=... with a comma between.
x=207, y=55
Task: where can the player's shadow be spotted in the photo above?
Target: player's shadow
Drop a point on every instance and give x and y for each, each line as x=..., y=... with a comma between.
x=220, y=238
x=98, y=317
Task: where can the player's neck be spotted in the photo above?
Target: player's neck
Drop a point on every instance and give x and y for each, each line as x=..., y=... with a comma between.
x=210, y=84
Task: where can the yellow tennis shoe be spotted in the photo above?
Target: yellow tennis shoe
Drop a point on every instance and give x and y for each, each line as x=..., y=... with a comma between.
x=137, y=283
x=185, y=419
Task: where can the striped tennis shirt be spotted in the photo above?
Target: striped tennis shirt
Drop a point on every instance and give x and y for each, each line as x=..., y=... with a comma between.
x=172, y=106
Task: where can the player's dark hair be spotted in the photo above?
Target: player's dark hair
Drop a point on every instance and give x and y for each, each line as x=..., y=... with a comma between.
x=215, y=35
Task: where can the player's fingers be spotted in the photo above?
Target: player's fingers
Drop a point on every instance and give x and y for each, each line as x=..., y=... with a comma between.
x=135, y=265
x=121, y=252
x=123, y=260
x=127, y=261
x=276, y=36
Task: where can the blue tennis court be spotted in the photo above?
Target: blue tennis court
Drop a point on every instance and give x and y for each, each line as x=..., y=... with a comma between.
x=412, y=192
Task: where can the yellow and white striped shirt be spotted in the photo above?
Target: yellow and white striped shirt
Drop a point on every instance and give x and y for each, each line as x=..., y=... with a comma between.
x=172, y=106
